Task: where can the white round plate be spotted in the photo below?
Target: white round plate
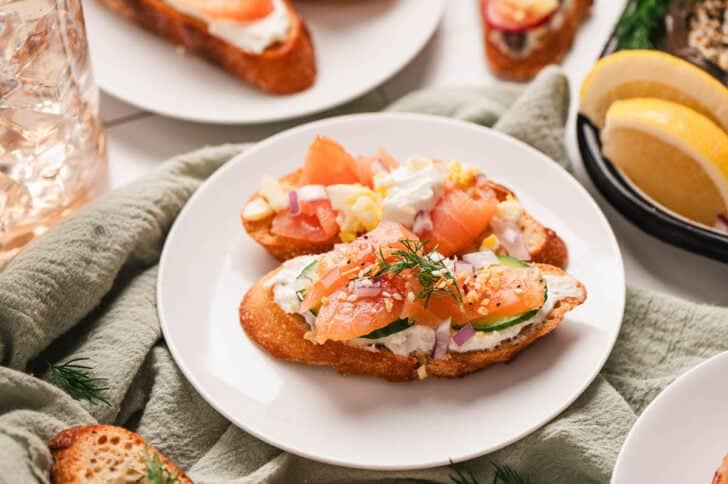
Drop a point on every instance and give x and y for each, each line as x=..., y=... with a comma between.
x=682, y=436
x=209, y=262
x=359, y=44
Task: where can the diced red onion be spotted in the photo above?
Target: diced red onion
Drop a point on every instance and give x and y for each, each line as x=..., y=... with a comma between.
x=368, y=289
x=481, y=259
x=510, y=237
x=721, y=223
x=442, y=340
x=310, y=193
x=378, y=167
x=293, y=205
x=330, y=278
x=461, y=267
x=462, y=336
x=423, y=222
x=481, y=180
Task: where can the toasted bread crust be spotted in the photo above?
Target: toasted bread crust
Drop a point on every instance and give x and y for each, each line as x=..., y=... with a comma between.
x=544, y=245
x=283, y=68
x=552, y=49
x=78, y=452
x=721, y=475
x=282, y=336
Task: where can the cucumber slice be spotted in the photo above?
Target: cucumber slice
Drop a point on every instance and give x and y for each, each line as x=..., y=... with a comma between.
x=512, y=261
x=391, y=328
x=308, y=271
x=488, y=324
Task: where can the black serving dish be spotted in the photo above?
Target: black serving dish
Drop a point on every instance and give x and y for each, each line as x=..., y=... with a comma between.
x=637, y=207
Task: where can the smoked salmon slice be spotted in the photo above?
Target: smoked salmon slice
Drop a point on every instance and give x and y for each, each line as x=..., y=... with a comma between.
x=458, y=218
x=316, y=222
x=328, y=163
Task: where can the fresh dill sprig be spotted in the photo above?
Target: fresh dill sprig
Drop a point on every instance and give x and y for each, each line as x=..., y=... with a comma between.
x=77, y=380
x=642, y=23
x=434, y=277
x=503, y=475
x=157, y=473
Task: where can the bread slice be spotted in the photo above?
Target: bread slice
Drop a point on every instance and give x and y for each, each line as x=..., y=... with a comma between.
x=544, y=245
x=282, y=68
x=551, y=50
x=282, y=336
x=721, y=475
x=105, y=453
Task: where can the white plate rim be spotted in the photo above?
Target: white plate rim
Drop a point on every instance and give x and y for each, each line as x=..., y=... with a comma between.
x=378, y=80
x=221, y=172
x=664, y=395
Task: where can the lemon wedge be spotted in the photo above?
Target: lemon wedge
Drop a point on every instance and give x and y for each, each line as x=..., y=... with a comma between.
x=672, y=153
x=649, y=73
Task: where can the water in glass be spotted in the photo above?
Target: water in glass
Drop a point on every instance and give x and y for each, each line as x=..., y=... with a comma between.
x=52, y=153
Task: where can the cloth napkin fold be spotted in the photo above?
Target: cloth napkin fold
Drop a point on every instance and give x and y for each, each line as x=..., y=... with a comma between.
x=87, y=289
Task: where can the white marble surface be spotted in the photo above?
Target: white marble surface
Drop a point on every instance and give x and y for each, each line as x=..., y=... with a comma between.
x=139, y=141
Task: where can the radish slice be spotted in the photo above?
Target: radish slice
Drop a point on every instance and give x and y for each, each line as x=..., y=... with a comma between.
x=462, y=336
x=442, y=340
x=496, y=13
x=511, y=237
x=310, y=193
x=422, y=223
x=481, y=259
x=293, y=205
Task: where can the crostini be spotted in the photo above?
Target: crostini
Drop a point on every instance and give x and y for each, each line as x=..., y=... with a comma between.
x=263, y=42
x=385, y=305
x=336, y=197
x=106, y=453
x=524, y=36
x=721, y=475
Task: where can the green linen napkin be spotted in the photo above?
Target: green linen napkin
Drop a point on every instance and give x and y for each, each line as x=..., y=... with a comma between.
x=87, y=289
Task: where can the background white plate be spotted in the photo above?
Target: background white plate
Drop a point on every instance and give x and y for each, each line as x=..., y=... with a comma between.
x=682, y=436
x=359, y=45
x=209, y=262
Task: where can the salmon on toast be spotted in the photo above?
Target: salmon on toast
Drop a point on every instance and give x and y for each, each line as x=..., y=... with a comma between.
x=390, y=305
x=336, y=197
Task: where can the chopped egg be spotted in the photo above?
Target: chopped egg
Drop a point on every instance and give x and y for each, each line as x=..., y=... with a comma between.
x=490, y=243
x=273, y=192
x=509, y=209
x=463, y=176
x=257, y=209
x=360, y=209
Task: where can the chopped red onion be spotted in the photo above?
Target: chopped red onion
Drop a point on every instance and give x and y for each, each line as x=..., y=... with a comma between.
x=461, y=267
x=310, y=193
x=481, y=259
x=462, y=336
x=511, y=238
x=423, y=222
x=442, y=340
x=330, y=278
x=481, y=180
x=721, y=223
x=378, y=167
x=293, y=205
x=371, y=291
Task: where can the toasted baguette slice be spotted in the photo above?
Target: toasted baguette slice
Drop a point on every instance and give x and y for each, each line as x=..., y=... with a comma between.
x=551, y=49
x=282, y=336
x=544, y=245
x=721, y=475
x=104, y=453
x=282, y=68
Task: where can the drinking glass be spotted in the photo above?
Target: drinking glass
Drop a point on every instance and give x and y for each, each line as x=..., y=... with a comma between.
x=52, y=150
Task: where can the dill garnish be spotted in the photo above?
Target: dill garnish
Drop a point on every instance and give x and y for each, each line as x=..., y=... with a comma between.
x=76, y=379
x=434, y=277
x=157, y=473
x=641, y=24
x=503, y=474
